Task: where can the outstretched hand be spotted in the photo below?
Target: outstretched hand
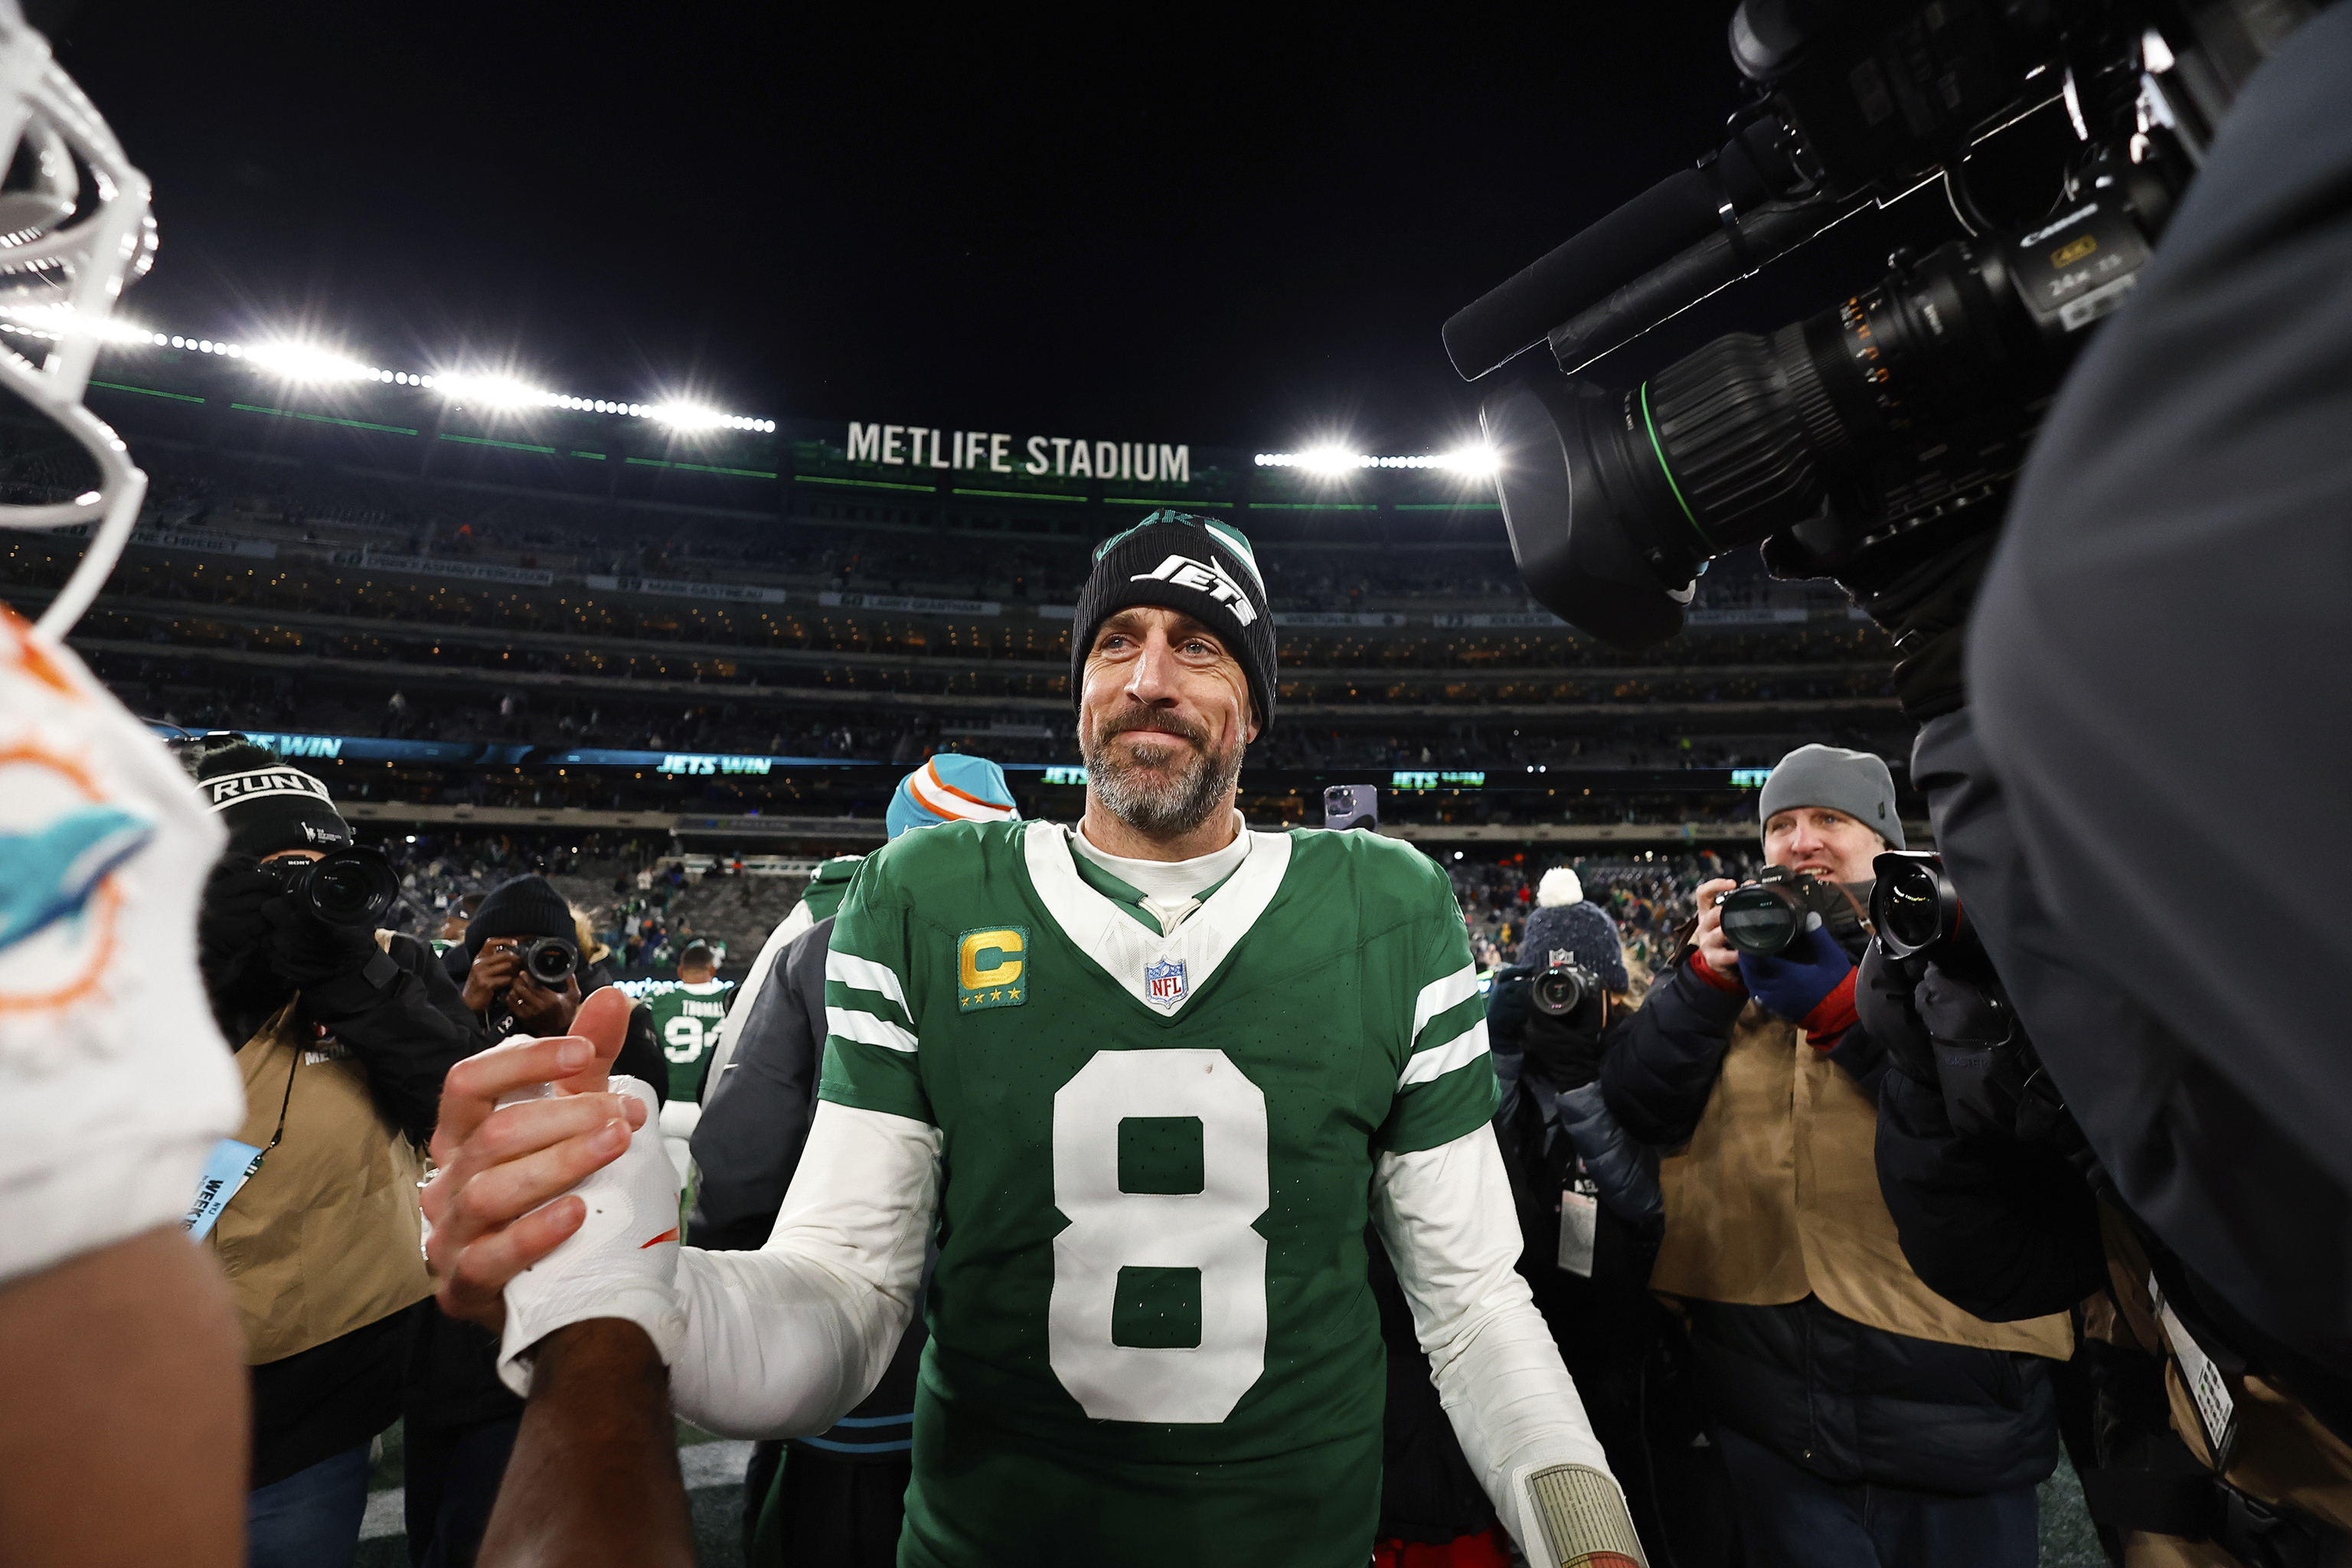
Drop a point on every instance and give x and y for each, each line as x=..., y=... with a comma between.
x=501, y=1163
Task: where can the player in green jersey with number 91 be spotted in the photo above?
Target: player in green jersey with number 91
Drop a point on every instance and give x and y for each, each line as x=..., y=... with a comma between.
x=1148, y=1079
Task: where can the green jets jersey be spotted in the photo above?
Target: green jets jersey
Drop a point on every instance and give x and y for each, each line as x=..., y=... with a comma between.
x=686, y=1022
x=1152, y=1340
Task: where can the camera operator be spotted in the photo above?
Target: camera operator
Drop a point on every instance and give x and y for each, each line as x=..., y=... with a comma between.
x=526, y=974
x=344, y=1033
x=1864, y=1419
x=2150, y=669
x=1590, y=1212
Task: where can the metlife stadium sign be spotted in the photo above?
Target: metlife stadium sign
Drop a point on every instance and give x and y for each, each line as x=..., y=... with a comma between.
x=993, y=452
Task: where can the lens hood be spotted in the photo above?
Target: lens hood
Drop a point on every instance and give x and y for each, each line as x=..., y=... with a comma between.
x=1572, y=483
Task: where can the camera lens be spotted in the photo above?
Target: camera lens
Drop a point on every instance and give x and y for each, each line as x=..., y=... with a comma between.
x=352, y=887
x=338, y=891
x=550, y=961
x=1614, y=501
x=1559, y=992
x=1762, y=918
x=1915, y=907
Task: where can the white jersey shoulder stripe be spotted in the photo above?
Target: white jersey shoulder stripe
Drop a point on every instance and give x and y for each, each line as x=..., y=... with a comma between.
x=1438, y=1060
x=1439, y=994
x=865, y=974
x=851, y=1025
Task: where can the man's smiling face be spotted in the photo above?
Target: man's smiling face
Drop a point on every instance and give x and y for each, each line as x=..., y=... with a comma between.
x=1163, y=719
x=1827, y=843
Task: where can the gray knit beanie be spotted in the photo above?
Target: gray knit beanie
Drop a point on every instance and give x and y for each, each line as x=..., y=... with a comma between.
x=1856, y=783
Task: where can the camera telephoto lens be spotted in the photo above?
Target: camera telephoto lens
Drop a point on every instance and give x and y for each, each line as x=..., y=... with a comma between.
x=1763, y=917
x=1915, y=907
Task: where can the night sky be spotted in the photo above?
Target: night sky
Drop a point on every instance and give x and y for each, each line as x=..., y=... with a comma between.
x=1220, y=229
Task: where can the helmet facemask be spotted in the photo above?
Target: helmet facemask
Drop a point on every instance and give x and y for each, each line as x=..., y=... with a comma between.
x=75, y=226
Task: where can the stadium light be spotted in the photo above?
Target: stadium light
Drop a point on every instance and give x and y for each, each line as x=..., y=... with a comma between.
x=300, y=362
x=685, y=415
x=55, y=321
x=492, y=391
x=1477, y=461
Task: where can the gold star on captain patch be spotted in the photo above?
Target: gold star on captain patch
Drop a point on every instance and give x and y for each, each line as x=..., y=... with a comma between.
x=996, y=996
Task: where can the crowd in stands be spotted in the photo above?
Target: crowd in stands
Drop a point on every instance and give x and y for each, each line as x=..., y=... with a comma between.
x=637, y=898
x=1650, y=896
x=833, y=543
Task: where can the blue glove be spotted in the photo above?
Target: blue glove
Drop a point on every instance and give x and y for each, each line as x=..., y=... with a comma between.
x=1810, y=985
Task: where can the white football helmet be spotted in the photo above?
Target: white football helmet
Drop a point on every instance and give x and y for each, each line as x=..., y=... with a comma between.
x=74, y=228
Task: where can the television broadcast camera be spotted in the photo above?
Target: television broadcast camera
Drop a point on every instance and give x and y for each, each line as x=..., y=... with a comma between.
x=1887, y=429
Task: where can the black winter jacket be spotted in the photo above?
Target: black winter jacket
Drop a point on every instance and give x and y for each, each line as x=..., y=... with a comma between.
x=756, y=1118
x=1840, y=1399
x=754, y=1127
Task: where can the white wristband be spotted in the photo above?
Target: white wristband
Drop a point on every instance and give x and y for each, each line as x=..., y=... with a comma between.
x=621, y=1263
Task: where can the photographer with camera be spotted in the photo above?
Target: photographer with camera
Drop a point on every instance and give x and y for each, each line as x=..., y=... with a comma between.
x=345, y=1033
x=526, y=974
x=1864, y=1419
x=2189, y=1452
x=1590, y=1214
x=2086, y=467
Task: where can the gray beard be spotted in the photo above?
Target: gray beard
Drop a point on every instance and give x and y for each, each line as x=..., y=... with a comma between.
x=1157, y=805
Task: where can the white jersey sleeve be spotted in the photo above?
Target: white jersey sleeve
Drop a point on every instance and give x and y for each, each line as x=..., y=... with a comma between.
x=114, y=1084
x=783, y=1342
x=1446, y=1219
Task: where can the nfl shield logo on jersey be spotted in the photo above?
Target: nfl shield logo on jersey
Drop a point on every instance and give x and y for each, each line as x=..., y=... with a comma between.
x=1163, y=983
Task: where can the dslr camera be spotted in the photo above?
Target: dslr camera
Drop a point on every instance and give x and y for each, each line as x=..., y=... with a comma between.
x=1886, y=430
x=1768, y=915
x=1980, y=1058
x=354, y=886
x=550, y=960
x=1561, y=985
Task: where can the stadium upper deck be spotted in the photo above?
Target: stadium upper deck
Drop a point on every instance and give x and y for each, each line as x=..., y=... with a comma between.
x=380, y=563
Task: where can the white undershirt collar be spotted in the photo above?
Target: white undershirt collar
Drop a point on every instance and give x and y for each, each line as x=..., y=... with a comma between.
x=1170, y=889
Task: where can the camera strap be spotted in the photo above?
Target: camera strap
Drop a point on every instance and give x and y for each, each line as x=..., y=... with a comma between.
x=232, y=1163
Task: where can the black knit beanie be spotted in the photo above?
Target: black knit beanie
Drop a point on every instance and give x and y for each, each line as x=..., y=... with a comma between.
x=266, y=804
x=1195, y=564
x=525, y=907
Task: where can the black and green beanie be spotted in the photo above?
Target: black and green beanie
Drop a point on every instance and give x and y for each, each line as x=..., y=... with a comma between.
x=1196, y=564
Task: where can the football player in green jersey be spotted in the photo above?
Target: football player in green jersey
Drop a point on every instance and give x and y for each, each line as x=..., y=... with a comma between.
x=1084, y=1062
x=686, y=1021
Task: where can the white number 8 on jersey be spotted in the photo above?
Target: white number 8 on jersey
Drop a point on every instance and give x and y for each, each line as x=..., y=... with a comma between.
x=1208, y=1230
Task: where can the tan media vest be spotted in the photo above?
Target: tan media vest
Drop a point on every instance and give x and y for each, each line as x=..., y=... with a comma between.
x=1776, y=1198
x=326, y=1236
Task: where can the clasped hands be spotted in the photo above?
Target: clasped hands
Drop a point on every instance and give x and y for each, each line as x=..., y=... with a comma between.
x=502, y=1198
